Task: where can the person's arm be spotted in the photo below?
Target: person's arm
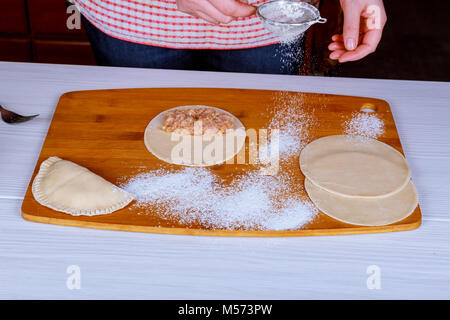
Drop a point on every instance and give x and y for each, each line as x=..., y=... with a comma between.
x=216, y=11
x=364, y=21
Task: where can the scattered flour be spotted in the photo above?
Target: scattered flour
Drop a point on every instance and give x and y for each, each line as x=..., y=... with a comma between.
x=251, y=201
x=195, y=195
x=293, y=123
x=291, y=53
x=364, y=124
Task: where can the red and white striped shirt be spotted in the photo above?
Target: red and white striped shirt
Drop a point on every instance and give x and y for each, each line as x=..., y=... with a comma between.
x=159, y=23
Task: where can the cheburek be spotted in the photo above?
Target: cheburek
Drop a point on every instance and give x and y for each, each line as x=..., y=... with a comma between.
x=67, y=187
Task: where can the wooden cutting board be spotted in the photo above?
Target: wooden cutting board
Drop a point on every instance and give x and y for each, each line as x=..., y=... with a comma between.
x=103, y=130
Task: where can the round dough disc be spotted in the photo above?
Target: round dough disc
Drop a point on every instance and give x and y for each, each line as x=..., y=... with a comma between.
x=365, y=211
x=354, y=166
x=191, y=150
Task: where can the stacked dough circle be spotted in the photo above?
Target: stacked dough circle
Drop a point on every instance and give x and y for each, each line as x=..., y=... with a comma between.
x=358, y=180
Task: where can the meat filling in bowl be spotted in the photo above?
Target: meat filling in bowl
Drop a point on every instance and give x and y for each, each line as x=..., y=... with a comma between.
x=197, y=121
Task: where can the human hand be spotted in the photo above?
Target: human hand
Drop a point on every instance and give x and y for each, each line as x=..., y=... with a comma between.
x=364, y=21
x=216, y=11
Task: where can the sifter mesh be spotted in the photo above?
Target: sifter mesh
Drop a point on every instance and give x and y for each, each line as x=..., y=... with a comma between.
x=288, y=18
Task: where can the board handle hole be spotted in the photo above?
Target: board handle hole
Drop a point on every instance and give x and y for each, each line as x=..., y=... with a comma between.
x=368, y=108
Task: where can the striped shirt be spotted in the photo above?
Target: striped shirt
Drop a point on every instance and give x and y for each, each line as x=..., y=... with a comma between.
x=160, y=23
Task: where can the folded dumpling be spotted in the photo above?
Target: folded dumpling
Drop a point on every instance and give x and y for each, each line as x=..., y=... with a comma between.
x=67, y=187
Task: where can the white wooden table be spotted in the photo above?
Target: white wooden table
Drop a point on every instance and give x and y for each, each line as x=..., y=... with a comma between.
x=34, y=257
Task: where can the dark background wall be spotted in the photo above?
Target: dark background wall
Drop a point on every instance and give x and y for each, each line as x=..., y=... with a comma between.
x=36, y=31
x=415, y=44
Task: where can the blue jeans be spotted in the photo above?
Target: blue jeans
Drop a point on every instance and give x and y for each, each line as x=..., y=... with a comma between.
x=275, y=59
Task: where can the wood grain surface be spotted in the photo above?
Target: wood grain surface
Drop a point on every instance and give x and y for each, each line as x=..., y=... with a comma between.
x=103, y=131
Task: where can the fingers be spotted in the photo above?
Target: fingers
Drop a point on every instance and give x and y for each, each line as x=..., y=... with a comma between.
x=335, y=55
x=203, y=9
x=368, y=45
x=233, y=8
x=216, y=11
x=208, y=9
x=205, y=17
x=360, y=52
x=216, y=14
x=352, y=16
x=338, y=45
x=337, y=37
x=366, y=24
